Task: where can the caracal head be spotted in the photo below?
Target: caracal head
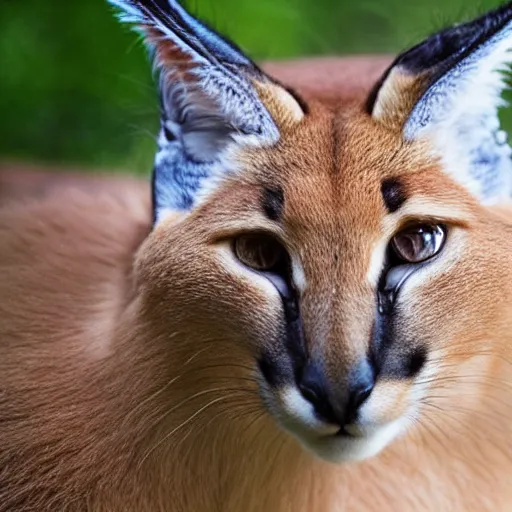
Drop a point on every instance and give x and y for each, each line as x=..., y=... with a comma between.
x=334, y=252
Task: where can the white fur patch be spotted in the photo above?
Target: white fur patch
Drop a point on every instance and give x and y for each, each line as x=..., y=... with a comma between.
x=348, y=449
x=377, y=261
x=301, y=411
x=423, y=206
x=459, y=114
x=298, y=275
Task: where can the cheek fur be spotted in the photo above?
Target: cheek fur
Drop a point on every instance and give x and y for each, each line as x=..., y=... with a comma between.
x=256, y=300
x=389, y=401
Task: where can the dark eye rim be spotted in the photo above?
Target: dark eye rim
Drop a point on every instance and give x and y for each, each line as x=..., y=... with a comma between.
x=387, y=296
x=283, y=263
x=395, y=256
x=280, y=275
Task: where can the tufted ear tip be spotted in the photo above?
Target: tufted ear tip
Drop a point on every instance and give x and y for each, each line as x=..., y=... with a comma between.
x=448, y=89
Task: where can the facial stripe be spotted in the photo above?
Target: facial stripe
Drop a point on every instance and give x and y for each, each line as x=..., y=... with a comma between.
x=393, y=355
x=416, y=361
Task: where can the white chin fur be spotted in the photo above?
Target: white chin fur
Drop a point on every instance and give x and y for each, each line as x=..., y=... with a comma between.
x=296, y=416
x=340, y=449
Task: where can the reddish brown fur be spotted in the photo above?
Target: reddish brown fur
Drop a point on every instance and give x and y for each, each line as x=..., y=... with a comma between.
x=121, y=389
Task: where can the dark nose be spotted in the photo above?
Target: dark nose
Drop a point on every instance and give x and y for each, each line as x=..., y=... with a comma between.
x=339, y=407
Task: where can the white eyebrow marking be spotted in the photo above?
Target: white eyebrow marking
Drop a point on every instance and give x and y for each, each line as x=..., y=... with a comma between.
x=298, y=275
x=422, y=206
x=377, y=262
x=302, y=411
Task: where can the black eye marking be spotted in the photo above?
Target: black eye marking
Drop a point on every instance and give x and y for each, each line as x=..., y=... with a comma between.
x=416, y=362
x=272, y=201
x=269, y=370
x=393, y=194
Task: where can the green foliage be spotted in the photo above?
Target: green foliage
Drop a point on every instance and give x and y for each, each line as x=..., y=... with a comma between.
x=76, y=87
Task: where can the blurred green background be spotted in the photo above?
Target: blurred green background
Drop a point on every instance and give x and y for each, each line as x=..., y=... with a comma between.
x=76, y=87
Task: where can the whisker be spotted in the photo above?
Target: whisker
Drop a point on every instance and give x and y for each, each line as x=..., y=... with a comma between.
x=462, y=352
x=487, y=380
x=180, y=426
x=157, y=393
x=448, y=414
x=185, y=401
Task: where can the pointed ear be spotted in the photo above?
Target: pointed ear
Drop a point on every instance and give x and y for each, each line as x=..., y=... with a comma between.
x=213, y=97
x=448, y=89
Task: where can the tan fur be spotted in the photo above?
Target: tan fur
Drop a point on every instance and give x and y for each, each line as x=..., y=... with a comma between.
x=127, y=373
x=282, y=107
x=397, y=97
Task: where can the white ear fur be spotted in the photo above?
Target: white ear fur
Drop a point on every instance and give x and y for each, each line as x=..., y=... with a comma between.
x=459, y=113
x=456, y=80
x=210, y=100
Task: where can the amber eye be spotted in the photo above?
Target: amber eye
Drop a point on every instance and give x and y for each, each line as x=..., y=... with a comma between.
x=419, y=243
x=259, y=252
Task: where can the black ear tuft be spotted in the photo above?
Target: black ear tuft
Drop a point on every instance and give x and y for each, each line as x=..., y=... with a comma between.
x=213, y=97
x=448, y=89
x=439, y=51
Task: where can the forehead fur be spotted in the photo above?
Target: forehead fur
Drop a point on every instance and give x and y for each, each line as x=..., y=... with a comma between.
x=326, y=184
x=341, y=157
